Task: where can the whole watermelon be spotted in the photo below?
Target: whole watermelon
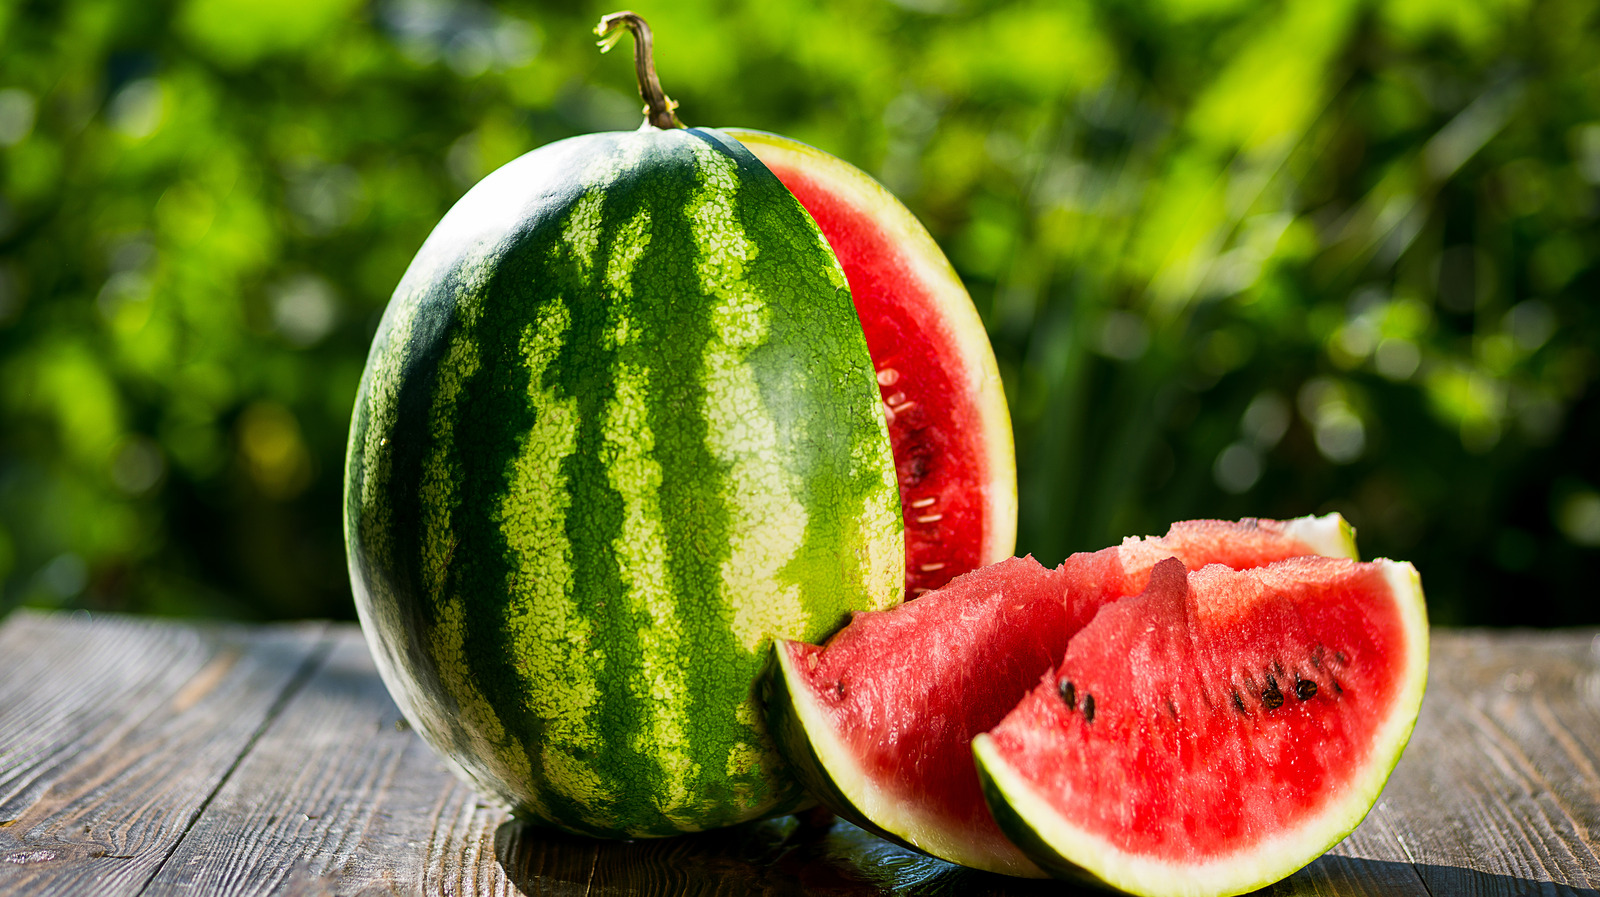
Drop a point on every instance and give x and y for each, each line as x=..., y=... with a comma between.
x=618, y=429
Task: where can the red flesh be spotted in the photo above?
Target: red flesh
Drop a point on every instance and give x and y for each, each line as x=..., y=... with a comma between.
x=1104, y=576
x=1012, y=608
x=1169, y=767
x=920, y=681
x=936, y=462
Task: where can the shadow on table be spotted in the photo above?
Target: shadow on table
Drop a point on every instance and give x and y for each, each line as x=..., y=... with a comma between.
x=774, y=857
x=1334, y=874
x=833, y=858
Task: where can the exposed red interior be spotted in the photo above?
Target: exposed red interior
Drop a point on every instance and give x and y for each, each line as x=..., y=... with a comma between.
x=933, y=427
x=1238, y=544
x=906, y=690
x=1225, y=705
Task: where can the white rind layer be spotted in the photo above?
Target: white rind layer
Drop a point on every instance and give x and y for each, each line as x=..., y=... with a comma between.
x=1329, y=535
x=1265, y=861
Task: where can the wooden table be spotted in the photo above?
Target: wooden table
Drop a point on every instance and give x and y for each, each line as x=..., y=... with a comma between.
x=156, y=757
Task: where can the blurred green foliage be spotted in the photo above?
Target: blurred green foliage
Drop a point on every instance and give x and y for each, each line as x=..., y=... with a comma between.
x=1236, y=258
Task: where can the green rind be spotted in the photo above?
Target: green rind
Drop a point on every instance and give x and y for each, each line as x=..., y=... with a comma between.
x=1025, y=836
x=618, y=429
x=781, y=687
x=1055, y=845
x=802, y=736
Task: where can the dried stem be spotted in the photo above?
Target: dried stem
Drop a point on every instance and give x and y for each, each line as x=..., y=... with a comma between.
x=658, y=106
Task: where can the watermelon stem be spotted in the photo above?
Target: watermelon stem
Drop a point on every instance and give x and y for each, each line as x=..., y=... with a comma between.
x=659, y=108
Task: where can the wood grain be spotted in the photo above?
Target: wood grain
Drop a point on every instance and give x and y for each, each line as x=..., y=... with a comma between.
x=338, y=796
x=114, y=734
x=142, y=757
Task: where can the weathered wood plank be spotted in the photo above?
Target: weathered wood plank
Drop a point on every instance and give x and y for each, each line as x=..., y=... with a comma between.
x=115, y=732
x=336, y=795
x=123, y=726
x=1496, y=794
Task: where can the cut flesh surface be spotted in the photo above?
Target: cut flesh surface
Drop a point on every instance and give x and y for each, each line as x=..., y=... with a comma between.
x=948, y=423
x=879, y=722
x=1224, y=727
x=880, y=719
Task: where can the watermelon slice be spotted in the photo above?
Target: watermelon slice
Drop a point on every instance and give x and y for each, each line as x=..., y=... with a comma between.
x=1217, y=732
x=878, y=723
x=948, y=424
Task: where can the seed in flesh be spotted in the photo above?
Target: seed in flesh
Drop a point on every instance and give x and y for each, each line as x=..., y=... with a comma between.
x=1271, y=696
x=1069, y=694
x=1088, y=708
x=1305, y=689
x=1238, y=702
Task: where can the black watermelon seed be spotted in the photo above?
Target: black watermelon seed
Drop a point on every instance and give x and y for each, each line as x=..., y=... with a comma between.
x=1305, y=689
x=1088, y=708
x=1339, y=656
x=1271, y=696
x=1069, y=694
x=1337, y=687
x=1238, y=702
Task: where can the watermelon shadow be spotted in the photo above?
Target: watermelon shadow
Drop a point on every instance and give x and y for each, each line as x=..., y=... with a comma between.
x=785, y=856
x=1335, y=873
x=820, y=855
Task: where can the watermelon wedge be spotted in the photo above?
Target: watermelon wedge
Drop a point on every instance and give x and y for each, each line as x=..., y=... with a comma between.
x=1217, y=732
x=878, y=723
x=948, y=424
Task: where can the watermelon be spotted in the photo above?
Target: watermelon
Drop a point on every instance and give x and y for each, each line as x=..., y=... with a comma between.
x=879, y=720
x=1217, y=732
x=948, y=423
x=619, y=428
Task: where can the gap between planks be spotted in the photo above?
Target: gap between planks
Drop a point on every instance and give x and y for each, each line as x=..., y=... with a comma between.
x=313, y=659
x=115, y=731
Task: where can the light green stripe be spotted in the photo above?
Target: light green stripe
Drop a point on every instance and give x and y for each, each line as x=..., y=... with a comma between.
x=557, y=657
x=766, y=520
x=660, y=679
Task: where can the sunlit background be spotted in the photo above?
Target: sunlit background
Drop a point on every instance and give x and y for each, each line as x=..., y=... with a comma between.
x=1236, y=258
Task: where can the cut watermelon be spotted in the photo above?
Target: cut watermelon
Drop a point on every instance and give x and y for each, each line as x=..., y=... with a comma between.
x=948, y=423
x=1217, y=732
x=879, y=722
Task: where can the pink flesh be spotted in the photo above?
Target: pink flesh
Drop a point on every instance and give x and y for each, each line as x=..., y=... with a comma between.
x=1169, y=767
x=919, y=682
x=1238, y=544
x=907, y=688
x=934, y=430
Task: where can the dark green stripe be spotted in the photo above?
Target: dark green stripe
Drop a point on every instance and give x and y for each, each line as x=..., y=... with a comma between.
x=693, y=489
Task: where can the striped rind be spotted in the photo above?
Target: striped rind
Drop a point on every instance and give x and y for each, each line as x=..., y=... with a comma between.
x=1067, y=850
x=972, y=360
x=618, y=429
